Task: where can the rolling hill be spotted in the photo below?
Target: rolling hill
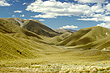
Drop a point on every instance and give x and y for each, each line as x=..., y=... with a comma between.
x=15, y=48
x=17, y=42
x=87, y=38
x=26, y=38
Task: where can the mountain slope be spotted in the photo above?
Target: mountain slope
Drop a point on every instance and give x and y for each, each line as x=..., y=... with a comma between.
x=87, y=37
x=39, y=28
x=9, y=25
x=14, y=48
x=60, y=37
x=17, y=42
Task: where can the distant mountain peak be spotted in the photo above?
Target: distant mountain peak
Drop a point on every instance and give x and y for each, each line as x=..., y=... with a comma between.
x=65, y=30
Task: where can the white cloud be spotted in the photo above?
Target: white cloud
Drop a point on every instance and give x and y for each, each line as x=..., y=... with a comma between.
x=44, y=16
x=89, y=19
x=13, y=15
x=100, y=13
x=53, y=8
x=107, y=25
x=41, y=20
x=18, y=11
x=91, y=1
x=97, y=18
x=68, y=27
x=16, y=1
x=24, y=3
x=4, y=3
x=22, y=15
x=108, y=7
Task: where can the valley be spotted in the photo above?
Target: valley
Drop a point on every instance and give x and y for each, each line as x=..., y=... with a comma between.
x=28, y=46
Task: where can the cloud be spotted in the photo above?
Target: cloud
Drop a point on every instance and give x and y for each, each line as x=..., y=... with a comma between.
x=44, y=16
x=16, y=1
x=89, y=19
x=53, y=8
x=108, y=7
x=91, y=1
x=107, y=25
x=41, y=20
x=17, y=11
x=13, y=15
x=24, y=3
x=98, y=13
x=104, y=19
x=68, y=27
x=22, y=15
x=4, y=3
x=99, y=10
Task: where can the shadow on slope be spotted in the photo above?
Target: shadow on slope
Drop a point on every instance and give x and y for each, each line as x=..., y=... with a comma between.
x=39, y=28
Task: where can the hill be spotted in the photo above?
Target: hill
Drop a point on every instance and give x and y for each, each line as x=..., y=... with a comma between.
x=15, y=48
x=17, y=42
x=10, y=25
x=60, y=37
x=33, y=26
x=39, y=28
x=26, y=38
x=88, y=38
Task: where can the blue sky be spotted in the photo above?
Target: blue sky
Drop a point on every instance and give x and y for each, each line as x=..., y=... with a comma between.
x=71, y=14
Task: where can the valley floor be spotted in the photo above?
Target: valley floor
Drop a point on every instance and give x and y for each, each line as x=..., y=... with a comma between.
x=66, y=61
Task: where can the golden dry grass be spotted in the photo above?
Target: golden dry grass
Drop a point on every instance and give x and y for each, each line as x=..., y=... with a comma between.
x=22, y=50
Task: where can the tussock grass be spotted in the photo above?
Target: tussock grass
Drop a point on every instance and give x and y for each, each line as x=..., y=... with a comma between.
x=59, y=62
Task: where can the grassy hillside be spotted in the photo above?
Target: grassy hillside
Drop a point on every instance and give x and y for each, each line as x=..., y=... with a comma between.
x=11, y=47
x=9, y=25
x=33, y=48
x=60, y=37
x=17, y=42
x=3, y=29
x=75, y=36
x=93, y=37
x=39, y=28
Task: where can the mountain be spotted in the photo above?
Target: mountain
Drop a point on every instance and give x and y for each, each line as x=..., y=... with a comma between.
x=30, y=25
x=39, y=28
x=17, y=42
x=26, y=38
x=10, y=25
x=65, y=30
x=63, y=34
x=87, y=38
x=60, y=37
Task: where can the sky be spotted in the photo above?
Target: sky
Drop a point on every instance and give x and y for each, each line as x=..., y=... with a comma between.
x=63, y=14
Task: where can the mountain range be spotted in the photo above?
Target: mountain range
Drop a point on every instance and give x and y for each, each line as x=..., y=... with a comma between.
x=21, y=38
